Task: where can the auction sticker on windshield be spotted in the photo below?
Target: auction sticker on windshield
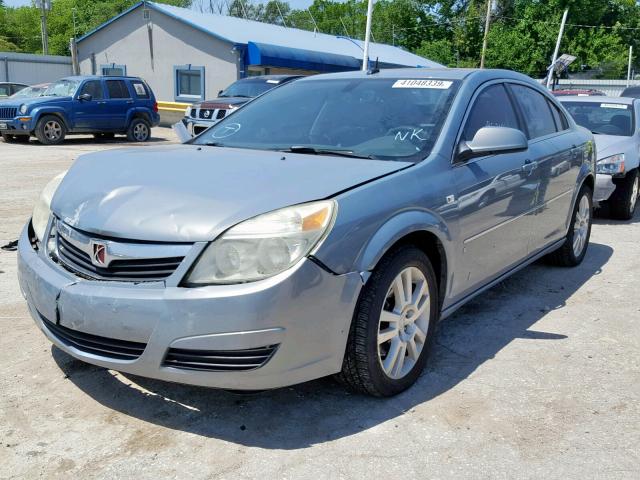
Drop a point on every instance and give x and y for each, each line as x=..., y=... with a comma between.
x=440, y=84
x=613, y=105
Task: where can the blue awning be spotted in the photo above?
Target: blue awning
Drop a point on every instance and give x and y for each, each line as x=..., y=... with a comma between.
x=276, y=56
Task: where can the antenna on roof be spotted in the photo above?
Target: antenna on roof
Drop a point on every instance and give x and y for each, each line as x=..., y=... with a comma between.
x=315, y=29
x=284, y=22
x=345, y=27
x=375, y=68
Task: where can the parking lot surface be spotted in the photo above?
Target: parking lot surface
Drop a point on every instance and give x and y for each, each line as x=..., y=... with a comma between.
x=537, y=378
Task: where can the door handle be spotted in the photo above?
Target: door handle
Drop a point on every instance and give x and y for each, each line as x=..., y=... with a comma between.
x=101, y=103
x=130, y=102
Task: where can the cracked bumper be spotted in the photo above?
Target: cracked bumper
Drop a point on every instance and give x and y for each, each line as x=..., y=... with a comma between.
x=604, y=187
x=306, y=310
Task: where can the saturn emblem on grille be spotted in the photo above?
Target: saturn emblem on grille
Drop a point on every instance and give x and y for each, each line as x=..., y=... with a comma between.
x=98, y=254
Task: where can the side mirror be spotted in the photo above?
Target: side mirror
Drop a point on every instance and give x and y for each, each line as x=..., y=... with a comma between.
x=85, y=97
x=220, y=92
x=492, y=140
x=181, y=131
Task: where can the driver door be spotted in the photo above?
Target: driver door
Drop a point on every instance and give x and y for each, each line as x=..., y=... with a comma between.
x=90, y=115
x=496, y=196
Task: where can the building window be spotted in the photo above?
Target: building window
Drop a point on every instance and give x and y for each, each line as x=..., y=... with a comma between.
x=113, y=69
x=189, y=83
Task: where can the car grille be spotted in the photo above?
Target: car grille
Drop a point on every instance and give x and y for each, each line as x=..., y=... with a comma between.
x=8, y=112
x=219, y=360
x=94, y=344
x=193, y=112
x=74, y=256
x=221, y=113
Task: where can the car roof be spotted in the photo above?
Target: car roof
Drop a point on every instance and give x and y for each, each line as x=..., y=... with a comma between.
x=98, y=77
x=596, y=99
x=428, y=73
x=269, y=77
x=14, y=83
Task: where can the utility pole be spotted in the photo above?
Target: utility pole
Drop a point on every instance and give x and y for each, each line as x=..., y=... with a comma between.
x=365, y=57
x=629, y=67
x=486, y=33
x=557, y=49
x=44, y=6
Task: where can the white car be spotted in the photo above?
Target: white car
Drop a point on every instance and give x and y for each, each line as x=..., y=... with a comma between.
x=615, y=123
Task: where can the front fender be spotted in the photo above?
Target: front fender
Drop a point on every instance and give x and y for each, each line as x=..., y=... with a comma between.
x=38, y=112
x=395, y=229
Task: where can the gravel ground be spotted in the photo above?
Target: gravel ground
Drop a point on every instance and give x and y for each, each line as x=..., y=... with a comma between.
x=538, y=378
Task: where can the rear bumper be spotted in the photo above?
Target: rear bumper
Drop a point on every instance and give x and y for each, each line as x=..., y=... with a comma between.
x=305, y=311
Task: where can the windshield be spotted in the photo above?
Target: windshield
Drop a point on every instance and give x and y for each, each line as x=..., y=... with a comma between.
x=29, y=92
x=387, y=119
x=606, y=118
x=248, y=88
x=62, y=88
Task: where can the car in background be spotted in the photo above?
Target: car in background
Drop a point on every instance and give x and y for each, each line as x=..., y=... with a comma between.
x=580, y=92
x=8, y=88
x=631, y=92
x=31, y=91
x=103, y=106
x=200, y=116
x=314, y=231
x=615, y=123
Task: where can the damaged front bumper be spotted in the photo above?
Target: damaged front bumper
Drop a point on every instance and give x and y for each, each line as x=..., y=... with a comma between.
x=604, y=187
x=295, y=323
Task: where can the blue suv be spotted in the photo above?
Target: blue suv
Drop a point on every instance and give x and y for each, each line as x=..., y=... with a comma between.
x=102, y=106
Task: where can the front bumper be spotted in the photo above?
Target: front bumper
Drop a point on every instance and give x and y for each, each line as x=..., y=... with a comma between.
x=604, y=187
x=306, y=311
x=15, y=126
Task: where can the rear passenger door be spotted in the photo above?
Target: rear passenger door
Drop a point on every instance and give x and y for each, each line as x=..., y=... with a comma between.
x=557, y=160
x=495, y=196
x=119, y=102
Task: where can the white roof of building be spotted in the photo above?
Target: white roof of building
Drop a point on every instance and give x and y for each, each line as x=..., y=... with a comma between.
x=241, y=31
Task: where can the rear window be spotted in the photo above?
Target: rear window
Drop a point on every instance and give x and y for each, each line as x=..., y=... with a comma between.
x=117, y=89
x=606, y=118
x=140, y=89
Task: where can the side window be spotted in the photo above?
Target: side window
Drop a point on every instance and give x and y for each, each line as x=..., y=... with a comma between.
x=558, y=117
x=140, y=89
x=189, y=83
x=536, y=111
x=492, y=108
x=93, y=88
x=117, y=89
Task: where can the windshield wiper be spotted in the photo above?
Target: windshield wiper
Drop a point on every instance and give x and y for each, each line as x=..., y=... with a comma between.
x=215, y=144
x=323, y=151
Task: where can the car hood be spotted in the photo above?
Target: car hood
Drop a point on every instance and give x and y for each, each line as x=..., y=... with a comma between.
x=224, y=102
x=187, y=193
x=607, y=145
x=33, y=101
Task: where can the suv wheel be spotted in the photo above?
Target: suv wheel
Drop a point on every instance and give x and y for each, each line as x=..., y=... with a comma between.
x=574, y=248
x=624, y=199
x=393, y=325
x=139, y=130
x=50, y=130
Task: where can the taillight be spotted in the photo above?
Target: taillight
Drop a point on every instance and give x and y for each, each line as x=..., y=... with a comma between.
x=155, y=107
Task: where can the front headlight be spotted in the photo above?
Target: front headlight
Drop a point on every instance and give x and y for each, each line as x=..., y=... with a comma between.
x=611, y=165
x=265, y=245
x=42, y=210
x=23, y=109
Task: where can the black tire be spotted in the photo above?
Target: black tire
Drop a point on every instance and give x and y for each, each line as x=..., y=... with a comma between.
x=51, y=130
x=623, y=200
x=139, y=130
x=566, y=256
x=104, y=136
x=362, y=369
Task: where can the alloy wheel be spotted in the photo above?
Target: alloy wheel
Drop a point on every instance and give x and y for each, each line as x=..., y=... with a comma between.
x=581, y=226
x=52, y=130
x=634, y=194
x=404, y=323
x=140, y=132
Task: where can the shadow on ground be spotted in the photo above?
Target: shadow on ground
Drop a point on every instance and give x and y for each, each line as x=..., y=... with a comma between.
x=314, y=412
x=90, y=140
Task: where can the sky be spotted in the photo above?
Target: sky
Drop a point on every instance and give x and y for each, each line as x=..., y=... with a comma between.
x=293, y=3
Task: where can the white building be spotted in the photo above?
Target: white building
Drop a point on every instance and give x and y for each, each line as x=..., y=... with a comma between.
x=188, y=56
